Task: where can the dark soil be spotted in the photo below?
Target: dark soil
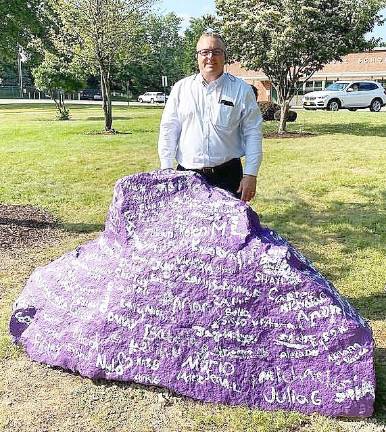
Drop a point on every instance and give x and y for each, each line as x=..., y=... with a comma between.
x=23, y=226
x=289, y=135
x=109, y=132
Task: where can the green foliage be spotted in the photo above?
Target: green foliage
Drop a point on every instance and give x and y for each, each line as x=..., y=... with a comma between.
x=272, y=111
x=8, y=72
x=291, y=39
x=104, y=31
x=55, y=77
x=290, y=117
x=268, y=110
x=158, y=53
x=21, y=20
x=163, y=47
x=63, y=113
x=55, y=74
x=106, y=34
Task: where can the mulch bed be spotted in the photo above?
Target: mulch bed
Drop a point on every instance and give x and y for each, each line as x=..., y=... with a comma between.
x=23, y=226
x=110, y=132
x=290, y=135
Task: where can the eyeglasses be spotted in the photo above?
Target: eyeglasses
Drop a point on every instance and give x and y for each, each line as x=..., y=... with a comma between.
x=214, y=52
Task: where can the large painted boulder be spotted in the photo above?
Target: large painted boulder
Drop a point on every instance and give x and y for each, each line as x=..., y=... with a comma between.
x=185, y=289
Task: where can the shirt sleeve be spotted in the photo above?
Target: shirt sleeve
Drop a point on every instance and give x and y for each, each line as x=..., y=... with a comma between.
x=170, y=130
x=251, y=133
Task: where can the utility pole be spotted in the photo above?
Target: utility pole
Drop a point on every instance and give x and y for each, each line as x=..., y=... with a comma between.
x=21, y=58
x=20, y=74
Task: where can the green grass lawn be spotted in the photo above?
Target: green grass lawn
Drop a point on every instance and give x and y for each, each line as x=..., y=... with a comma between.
x=325, y=193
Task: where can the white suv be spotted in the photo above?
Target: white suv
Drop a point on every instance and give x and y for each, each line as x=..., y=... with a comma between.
x=152, y=97
x=347, y=94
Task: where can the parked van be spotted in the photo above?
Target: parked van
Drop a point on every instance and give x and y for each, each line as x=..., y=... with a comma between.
x=152, y=97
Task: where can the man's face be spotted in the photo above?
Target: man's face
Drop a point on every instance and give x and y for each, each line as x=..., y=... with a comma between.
x=210, y=65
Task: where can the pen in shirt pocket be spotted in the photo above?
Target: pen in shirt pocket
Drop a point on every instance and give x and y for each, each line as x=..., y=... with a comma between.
x=227, y=102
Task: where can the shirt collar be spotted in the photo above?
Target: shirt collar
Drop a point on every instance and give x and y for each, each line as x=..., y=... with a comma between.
x=212, y=84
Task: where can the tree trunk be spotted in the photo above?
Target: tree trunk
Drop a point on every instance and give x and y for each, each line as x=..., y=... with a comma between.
x=106, y=96
x=63, y=112
x=283, y=116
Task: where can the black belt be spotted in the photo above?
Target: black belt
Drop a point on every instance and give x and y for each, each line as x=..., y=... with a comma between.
x=213, y=170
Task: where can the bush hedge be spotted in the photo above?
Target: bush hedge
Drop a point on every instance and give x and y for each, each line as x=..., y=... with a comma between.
x=268, y=110
x=271, y=111
x=291, y=116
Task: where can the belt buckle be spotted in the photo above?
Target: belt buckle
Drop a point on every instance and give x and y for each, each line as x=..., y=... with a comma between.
x=208, y=170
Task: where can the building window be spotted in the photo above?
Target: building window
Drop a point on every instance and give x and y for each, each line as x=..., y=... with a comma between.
x=382, y=81
x=308, y=87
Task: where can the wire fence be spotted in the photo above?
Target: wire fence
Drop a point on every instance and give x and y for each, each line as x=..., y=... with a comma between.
x=15, y=92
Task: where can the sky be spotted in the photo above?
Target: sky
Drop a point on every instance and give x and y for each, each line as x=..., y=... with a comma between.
x=187, y=9
x=194, y=8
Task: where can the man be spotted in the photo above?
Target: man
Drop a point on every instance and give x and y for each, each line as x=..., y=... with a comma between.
x=210, y=120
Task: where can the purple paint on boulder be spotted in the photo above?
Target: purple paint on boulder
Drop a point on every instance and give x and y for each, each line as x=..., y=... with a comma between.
x=20, y=320
x=184, y=289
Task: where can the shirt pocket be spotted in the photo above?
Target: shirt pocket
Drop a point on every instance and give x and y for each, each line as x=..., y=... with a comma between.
x=225, y=116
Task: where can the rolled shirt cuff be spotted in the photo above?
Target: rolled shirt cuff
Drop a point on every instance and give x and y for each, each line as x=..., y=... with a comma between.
x=166, y=163
x=248, y=170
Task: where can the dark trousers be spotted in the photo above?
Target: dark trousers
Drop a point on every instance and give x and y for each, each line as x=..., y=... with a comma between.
x=226, y=176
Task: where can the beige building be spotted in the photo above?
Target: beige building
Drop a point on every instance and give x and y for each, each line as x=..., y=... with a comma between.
x=357, y=66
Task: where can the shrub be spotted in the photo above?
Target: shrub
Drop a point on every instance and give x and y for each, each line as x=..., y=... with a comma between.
x=291, y=116
x=63, y=113
x=268, y=110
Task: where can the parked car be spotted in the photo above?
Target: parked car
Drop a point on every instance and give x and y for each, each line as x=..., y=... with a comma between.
x=152, y=97
x=347, y=94
x=90, y=94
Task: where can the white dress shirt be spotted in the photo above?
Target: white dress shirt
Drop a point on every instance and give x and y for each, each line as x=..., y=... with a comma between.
x=207, y=124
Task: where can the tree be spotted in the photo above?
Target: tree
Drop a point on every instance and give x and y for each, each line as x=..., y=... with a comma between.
x=56, y=72
x=292, y=39
x=163, y=47
x=55, y=77
x=196, y=27
x=20, y=20
x=107, y=31
x=158, y=53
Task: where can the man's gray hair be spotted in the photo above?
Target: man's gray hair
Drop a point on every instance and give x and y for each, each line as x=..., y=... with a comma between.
x=211, y=33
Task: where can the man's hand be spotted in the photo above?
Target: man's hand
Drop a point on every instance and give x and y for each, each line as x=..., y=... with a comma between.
x=247, y=188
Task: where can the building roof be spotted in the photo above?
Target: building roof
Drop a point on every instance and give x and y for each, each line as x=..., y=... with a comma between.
x=355, y=65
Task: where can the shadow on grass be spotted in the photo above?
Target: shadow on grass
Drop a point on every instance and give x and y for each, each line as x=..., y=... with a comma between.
x=27, y=223
x=338, y=126
x=81, y=228
x=372, y=307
